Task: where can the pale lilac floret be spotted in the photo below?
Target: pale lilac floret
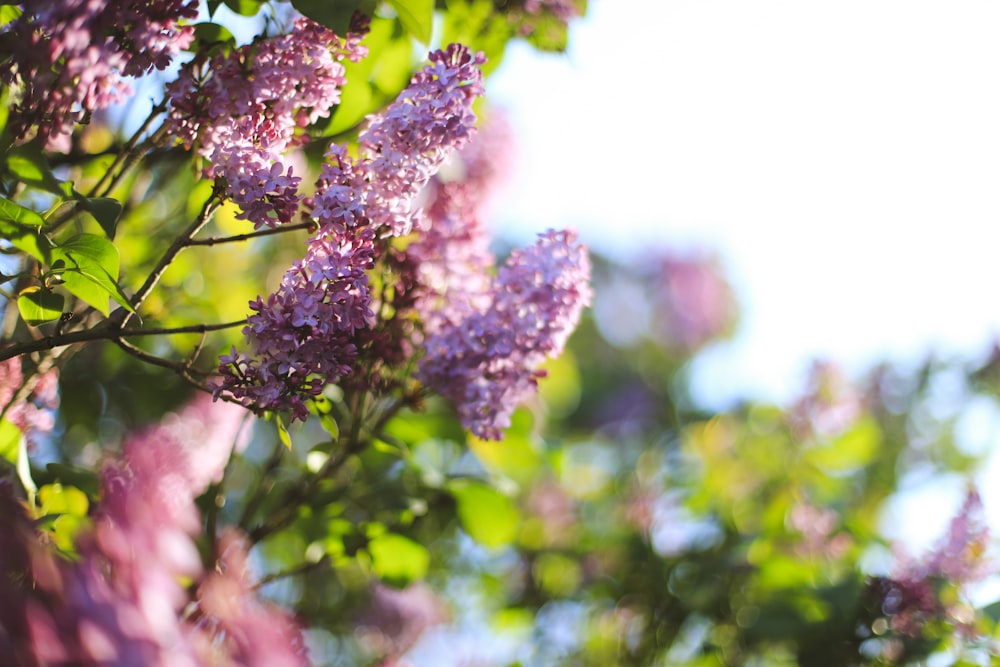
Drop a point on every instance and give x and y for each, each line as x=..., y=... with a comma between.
x=910, y=598
x=487, y=363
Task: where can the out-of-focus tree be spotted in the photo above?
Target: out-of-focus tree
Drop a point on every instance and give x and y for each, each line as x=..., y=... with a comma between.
x=396, y=453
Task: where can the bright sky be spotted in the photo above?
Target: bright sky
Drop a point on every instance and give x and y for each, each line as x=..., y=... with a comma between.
x=843, y=157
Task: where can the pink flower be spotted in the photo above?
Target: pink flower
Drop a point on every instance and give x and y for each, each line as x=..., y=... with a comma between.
x=69, y=57
x=244, y=111
x=33, y=414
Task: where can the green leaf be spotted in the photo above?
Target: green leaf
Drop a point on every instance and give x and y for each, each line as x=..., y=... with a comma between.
x=283, y=435
x=19, y=215
x=59, y=499
x=211, y=37
x=335, y=15
x=38, y=305
x=330, y=425
x=20, y=226
x=27, y=164
x=106, y=211
x=9, y=13
x=487, y=516
x=244, y=7
x=417, y=16
x=89, y=265
x=398, y=559
x=854, y=449
x=26, y=239
x=10, y=437
x=476, y=24
x=64, y=510
x=355, y=104
x=84, y=479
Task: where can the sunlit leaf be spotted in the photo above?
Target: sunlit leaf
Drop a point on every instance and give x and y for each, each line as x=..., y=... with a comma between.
x=244, y=7
x=38, y=305
x=89, y=266
x=855, y=448
x=83, y=479
x=417, y=16
x=27, y=164
x=10, y=437
x=9, y=13
x=19, y=215
x=60, y=499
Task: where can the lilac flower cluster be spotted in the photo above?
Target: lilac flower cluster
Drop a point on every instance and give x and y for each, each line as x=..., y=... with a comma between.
x=830, y=405
x=487, y=362
x=486, y=335
x=452, y=248
x=243, y=111
x=69, y=57
x=32, y=415
x=123, y=602
x=692, y=304
x=911, y=599
x=304, y=335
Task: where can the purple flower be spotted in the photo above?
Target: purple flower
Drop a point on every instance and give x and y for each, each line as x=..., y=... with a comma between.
x=305, y=335
x=487, y=362
x=452, y=248
x=32, y=414
x=911, y=598
x=124, y=601
x=243, y=111
x=68, y=57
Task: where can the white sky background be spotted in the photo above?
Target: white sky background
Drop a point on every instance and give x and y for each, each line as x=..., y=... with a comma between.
x=842, y=157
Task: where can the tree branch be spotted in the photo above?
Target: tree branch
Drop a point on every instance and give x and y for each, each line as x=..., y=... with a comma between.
x=181, y=242
x=107, y=333
x=217, y=240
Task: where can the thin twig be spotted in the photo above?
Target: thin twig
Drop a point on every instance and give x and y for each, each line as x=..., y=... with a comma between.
x=127, y=156
x=295, y=495
x=257, y=496
x=107, y=333
x=217, y=240
x=303, y=568
x=181, y=242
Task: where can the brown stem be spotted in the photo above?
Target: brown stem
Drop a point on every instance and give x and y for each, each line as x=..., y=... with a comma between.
x=216, y=240
x=181, y=242
x=107, y=333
